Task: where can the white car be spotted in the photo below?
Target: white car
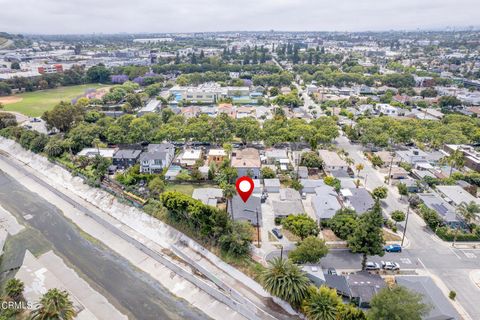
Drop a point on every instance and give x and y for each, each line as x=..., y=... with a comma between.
x=372, y=266
x=388, y=265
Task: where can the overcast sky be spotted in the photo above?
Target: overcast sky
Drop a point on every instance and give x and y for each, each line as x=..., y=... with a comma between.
x=112, y=16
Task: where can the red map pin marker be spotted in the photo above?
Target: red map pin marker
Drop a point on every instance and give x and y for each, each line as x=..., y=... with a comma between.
x=245, y=187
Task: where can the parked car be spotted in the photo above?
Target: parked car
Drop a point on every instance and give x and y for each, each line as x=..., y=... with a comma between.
x=393, y=248
x=304, y=196
x=372, y=266
x=388, y=265
x=277, y=233
x=332, y=271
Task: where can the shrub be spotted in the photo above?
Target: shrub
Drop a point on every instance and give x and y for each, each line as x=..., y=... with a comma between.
x=447, y=234
x=452, y=294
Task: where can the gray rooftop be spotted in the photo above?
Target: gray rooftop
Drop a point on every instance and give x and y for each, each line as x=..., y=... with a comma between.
x=239, y=213
x=156, y=151
x=288, y=207
x=208, y=196
x=441, y=306
x=442, y=207
x=127, y=154
x=271, y=182
x=361, y=200
x=325, y=202
x=289, y=194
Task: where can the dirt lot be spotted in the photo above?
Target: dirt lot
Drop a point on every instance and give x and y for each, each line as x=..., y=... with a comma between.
x=10, y=99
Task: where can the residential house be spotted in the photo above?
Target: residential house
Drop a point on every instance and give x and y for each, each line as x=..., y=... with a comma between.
x=290, y=203
x=152, y=106
x=309, y=185
x=247, y=162
x=441, y=308
x=156, y=157
x=332, y=161
x=388, y=158
x=208, y=196
x=358, y=199
x=93, y=152
x=246, y=211
x=397, y=173
x=216, y=156
x=245, y=111
x=412, y=156
x=272, y=185
x=387, y=110
x=302, y=172
x=189, y=157
x=325, y=202
x=359, y=287
x=277, y=156
x=125, y=158
x=444, y=209
x=471, y=155
x=456, y=195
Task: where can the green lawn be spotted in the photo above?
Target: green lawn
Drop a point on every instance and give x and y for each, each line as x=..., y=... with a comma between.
x=187, y=188
x=34, y=104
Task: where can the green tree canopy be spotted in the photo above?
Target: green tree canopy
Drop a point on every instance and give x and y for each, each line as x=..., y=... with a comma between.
x=397, y=303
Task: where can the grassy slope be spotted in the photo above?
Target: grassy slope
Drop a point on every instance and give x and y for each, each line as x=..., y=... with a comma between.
x=34, y=104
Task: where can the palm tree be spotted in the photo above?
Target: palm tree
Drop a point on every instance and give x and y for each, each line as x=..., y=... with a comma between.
x=54, y=305
x=455, y=160
x=359, y=167
x=96, y=142
x=469, y=211
x=229, y=191
x=321, y=304
x=14, y=289
x=286, y=281
x=349, y=161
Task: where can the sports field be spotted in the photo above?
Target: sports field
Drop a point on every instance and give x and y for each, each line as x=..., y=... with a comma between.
x=34, y=104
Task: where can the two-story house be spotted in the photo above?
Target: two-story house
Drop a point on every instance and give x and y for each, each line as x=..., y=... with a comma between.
x=157, y=157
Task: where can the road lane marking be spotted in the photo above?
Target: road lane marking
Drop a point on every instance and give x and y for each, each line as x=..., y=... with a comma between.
x=470, y=255
x=456, y=254
x=423, y=265
x=406, y=260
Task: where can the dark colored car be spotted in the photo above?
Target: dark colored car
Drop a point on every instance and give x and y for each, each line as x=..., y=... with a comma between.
x=277, y=233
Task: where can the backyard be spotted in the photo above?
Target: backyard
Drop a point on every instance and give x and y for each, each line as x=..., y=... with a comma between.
x=34, y=104
x=187, y=188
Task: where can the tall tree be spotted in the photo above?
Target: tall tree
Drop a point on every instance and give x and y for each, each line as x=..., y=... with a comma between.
x=229, y=191
x=53, y=305
x=469, y=211
x=310, y=250
x=367, y=238
x=286, y=281
x=455, y=160
x=397, y=303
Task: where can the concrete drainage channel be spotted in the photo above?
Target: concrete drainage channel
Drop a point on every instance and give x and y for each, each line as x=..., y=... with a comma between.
x=217, y=288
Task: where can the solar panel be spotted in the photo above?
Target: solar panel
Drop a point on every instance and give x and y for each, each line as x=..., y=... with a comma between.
x=440, y=208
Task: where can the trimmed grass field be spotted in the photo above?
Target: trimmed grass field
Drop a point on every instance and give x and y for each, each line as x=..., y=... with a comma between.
x=34, y=104
x=187, y=188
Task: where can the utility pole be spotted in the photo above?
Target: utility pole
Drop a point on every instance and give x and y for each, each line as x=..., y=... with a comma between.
x=258, y=223
x=258, y=228
x=406, y=222
x=390, y=170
